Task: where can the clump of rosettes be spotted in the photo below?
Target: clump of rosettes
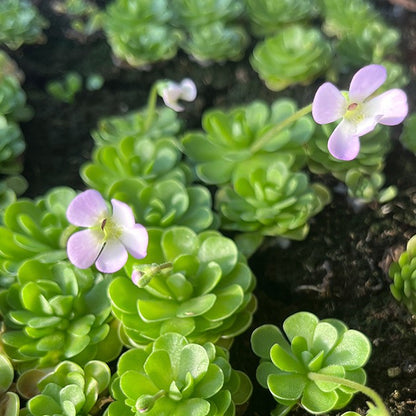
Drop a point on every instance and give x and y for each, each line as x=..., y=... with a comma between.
x=403, y=273
x=177, y=377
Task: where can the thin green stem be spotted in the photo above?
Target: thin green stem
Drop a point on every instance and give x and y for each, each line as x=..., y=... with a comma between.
x=262, y=141
x=151, y=106
x=356, y=386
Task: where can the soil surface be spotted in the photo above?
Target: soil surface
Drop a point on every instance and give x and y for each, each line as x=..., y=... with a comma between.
x=339, y=271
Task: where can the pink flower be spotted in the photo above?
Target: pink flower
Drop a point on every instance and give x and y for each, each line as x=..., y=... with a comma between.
x=172, y=92
x=359, y=109
x=108, y=238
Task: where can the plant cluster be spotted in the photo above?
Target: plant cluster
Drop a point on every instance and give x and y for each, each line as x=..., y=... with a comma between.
x=178, y=377
x=138, y=261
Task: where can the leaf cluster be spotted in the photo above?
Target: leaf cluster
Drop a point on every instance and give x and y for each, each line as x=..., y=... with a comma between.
x=34, y=229
x=311, y=346
x=403, y=274
x=177, y=377
x=362, y=176
x=20, y=22
x=295, y=55
x=205, y=295
x=69, y=390
x=56, y=312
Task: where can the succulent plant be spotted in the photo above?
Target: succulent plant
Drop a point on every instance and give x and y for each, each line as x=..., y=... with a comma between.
x=64, y=90
x=345, y=17
x=203, y=292
x=311, y=365
x=12, y=98
x=12, y=146
x=9, y=401
x=134, y=157
x=165, y=202
x=56, y=312
x=34, y=229
x=20, y=22
x=112, y=130
x=177, y=377
x=408, y=137
x=216, y=42
x=269, y=16
x=362, y=175
x=372, y=44
x=403, y=274
x=197, y=13
x=295, y=55
x=138, y=31
x=233, y=137
x=70, y=390
x=265, y=196
x=10, y=187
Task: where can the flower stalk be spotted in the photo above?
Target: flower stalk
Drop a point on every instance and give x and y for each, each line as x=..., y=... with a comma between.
x=356, y=386
x=263, y=140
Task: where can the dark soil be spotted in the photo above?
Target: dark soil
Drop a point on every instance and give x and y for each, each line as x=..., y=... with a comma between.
x=339, y=271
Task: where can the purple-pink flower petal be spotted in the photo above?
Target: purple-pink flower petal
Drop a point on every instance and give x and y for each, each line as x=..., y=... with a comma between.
x=84, y=246
x=122, y=214
x=112, y=258
x=135, y=240
x=87, y=209
x=328, y=104
x=344, y=143
x=366, y=81
x=391, y=107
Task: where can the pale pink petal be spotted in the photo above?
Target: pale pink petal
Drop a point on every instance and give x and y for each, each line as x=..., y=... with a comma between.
x=171, y=95
x=366, y=81
x=329, y=104
x=112, y=258
x=122, y=214
x=135, y=240
x=188, y=90
x=344, y=143
x=84, y=246
x=87, y=209
x=390, y=107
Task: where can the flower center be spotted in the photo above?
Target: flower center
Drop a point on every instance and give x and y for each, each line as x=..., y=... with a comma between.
x=354, y=112
x=111, y=229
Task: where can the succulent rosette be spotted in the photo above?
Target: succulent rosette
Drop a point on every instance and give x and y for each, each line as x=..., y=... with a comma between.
x=196, y=13
x=269, y=16
x=69, y=389
x=297, y=368
x=139, y=32
x=166, y=202
x=177, y=377
x=344, y=17
x=9, y=400
x=295, y=55
x=20, y=22
x=363, y=175
x=56, y=312
x=12, y=146
x=403, y=274
x=267, y=197
x=34, y=229
x=12, y=98
x=230, y=138
x=134, y=157
x=216, y=42
x=203, y=290
x=111, y=130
